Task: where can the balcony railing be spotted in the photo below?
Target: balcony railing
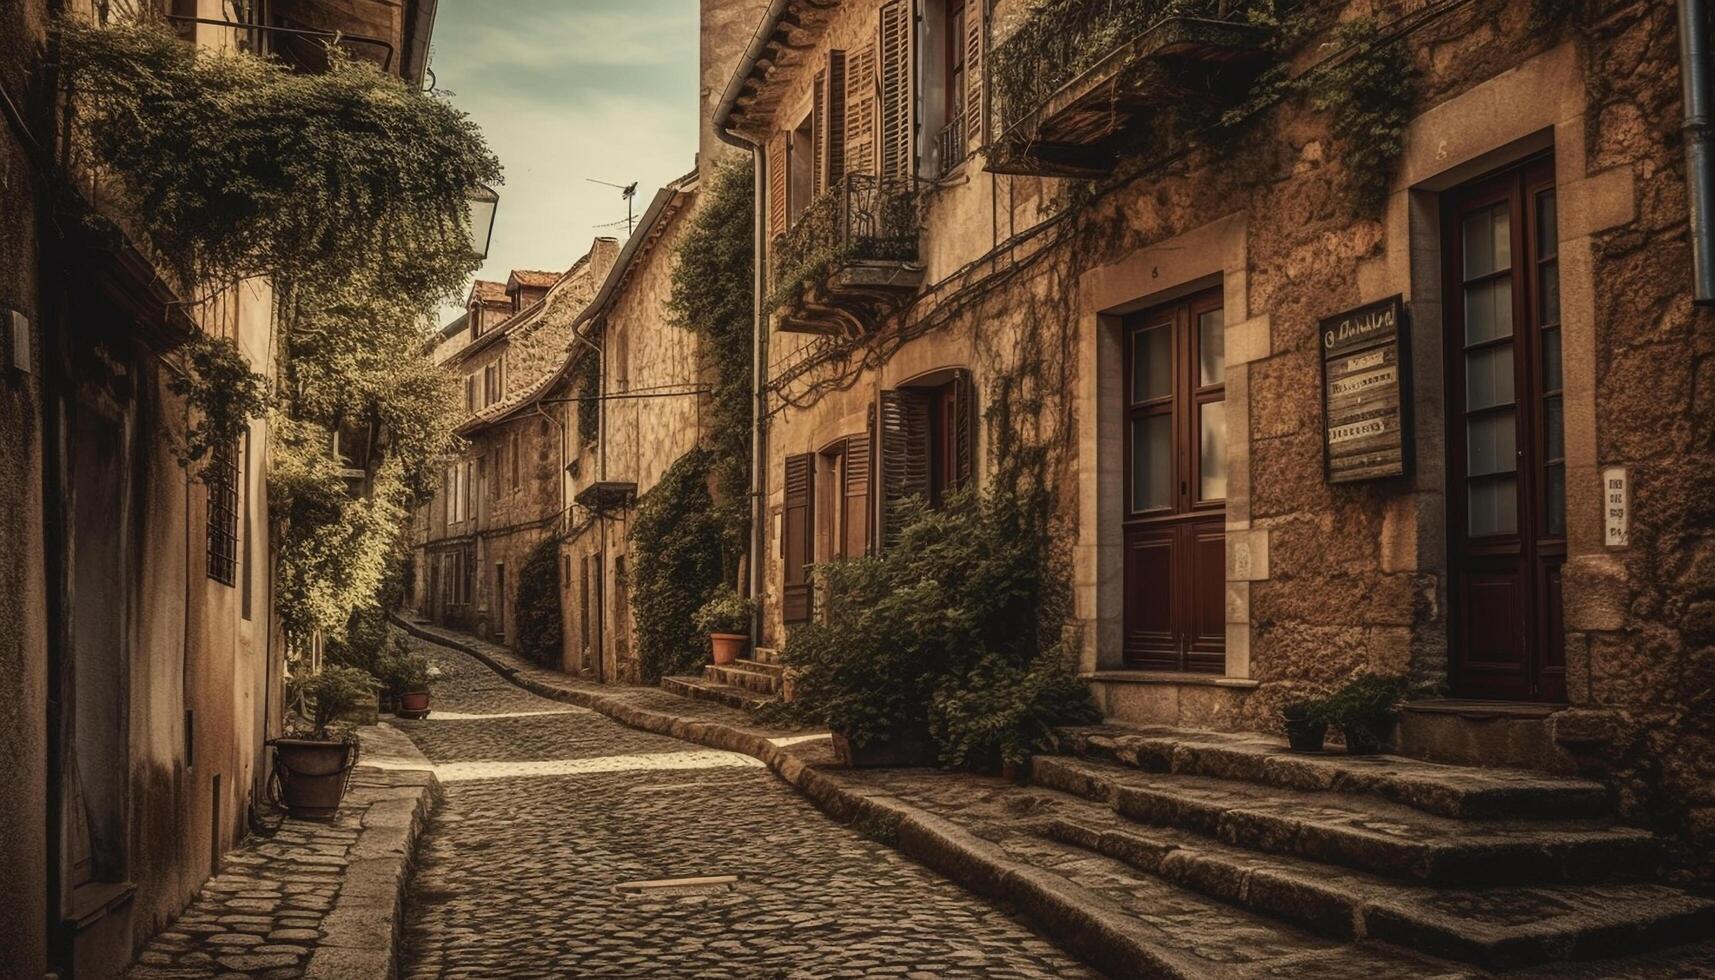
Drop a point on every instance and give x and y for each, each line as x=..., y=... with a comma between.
x=851, y=246
x=950, y=145
x=1070, y=75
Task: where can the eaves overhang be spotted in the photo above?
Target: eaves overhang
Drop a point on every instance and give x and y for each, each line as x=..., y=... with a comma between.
x=782, y=42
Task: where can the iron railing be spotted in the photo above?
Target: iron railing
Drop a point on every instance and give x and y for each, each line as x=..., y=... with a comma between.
x=863, y=218
x=950, y=147
x=1061, y=39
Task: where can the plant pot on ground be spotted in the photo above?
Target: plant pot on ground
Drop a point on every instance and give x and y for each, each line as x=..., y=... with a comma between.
x=1365, y=709
x=1306, y=728
x=410, y=677
x=726, y=618
x=313, y=763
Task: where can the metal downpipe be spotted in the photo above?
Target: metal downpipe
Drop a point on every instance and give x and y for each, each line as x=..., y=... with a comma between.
x=1699, y=165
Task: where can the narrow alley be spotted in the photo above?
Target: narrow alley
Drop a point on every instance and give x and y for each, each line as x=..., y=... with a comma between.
x=550, y=811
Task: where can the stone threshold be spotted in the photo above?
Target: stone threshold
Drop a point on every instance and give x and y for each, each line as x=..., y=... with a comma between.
x=226, y=928
x=1167, y=677
x=1465, y=708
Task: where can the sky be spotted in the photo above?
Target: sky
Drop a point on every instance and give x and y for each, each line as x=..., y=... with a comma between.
x=567, y=90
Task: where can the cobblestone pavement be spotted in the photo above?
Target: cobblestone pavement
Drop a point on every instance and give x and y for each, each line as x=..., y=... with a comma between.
x=517, y=873
x=262, y=915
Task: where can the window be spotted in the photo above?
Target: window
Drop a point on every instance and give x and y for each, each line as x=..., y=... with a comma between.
x=513, y=439
x=470, y=404
x=800, y=167
x=927, y=445
x=222, y=484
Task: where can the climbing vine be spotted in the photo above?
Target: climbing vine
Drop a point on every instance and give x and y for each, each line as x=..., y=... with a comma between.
x=713, y=275
x=223, y=393
x=1367, y=94
x=586, y=385
x=676, y=566
x=539, y=615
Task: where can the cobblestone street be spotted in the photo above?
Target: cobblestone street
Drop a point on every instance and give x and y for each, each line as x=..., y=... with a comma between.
x=549, y=808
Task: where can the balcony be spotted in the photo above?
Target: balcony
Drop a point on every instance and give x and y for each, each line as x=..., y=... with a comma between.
x=1080, y=80
x=850, y=258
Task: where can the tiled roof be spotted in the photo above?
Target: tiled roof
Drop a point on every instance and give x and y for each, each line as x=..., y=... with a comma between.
x=489, y=291
x=534, y=278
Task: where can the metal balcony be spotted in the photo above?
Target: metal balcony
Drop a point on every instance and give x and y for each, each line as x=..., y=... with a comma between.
x=850, y=258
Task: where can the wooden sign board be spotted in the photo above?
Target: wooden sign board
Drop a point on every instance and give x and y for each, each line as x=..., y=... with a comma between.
x=1366, y=400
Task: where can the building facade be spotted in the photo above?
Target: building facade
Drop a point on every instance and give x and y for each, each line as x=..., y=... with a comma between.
x=1314, y=415
x=503, y=494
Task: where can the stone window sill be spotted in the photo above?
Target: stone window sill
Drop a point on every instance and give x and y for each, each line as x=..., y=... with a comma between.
x=1166, y=677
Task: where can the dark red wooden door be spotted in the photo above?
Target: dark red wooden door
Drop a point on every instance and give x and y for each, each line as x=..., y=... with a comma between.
x=1506, y=464
x=1176, y=486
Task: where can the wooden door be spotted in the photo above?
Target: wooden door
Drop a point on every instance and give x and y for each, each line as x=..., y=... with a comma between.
x=1506, y=469
x=1175, y=486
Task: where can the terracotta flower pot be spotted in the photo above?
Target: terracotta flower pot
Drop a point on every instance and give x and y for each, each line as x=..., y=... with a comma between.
x=414, y=704
x=312, y=775
x=727, y=646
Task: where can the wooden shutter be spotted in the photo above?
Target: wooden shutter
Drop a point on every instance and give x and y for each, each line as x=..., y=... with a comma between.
x=796, y=530
x=819, y=133
x=903, y=425
x=974, y=129
x=898, y=120
x=854, y=537
x=777, y=186
x=833, y=162
x=860, y=106
x=965, y=419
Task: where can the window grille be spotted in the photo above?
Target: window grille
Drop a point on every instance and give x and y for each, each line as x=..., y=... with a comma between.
x=222, y=482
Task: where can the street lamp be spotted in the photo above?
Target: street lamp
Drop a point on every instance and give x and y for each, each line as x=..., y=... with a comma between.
x=483, y=199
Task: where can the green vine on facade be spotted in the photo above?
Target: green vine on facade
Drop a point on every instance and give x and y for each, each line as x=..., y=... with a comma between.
x=1368, y=96
x=713, y=278
x=676, y=566
x=540, y=627
x=222, y=392
x=586, y=385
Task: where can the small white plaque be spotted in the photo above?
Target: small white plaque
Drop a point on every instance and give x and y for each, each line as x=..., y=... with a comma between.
x=20, y=339
x=1616, y=508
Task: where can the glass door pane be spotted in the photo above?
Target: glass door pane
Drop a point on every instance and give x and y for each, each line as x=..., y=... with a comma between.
x=1152, y=462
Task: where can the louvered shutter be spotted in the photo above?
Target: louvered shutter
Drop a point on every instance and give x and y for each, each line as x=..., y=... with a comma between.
x=974, y=33
x=855, y=534
x=898, y=120
x=819, y=133
x=833, y=161
x=777, y=186
x=860, y=105
x=903, y=425
x=795, y=533
x=965, y=419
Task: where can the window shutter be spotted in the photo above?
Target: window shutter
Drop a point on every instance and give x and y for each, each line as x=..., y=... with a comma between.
x=898, y=123
x=819, y=133
x=857, y=476
x=833, y=163
x=965, y=418
x=777, y=186
x=860, y=102
x=974, y=115
x=904, y=427
x=796, y=530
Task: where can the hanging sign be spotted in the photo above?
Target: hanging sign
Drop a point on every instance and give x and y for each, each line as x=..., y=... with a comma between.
x=1365, y=393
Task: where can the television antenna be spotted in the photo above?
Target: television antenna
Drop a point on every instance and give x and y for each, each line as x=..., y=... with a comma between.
x=627, y=191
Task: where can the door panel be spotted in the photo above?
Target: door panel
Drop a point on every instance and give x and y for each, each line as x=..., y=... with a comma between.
x=1206, y=632
x=1505, y=448
x=1150, y=640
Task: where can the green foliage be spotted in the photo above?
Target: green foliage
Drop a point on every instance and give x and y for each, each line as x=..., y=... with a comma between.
x=1005, y=712
x=712, y=296
x=401, y=671
x=235, y=166
x=945, y=630
x=675, y=549
x=223, y=392
x=1367, y=94
x=330, y=692
x=335, y=549
x=807, y=253
x=587, y=388
x=1364, y=708
x=726, y=612
x=363, y=643
x=540, y=627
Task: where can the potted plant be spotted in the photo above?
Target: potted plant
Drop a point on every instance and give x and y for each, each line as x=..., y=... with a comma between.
x=1364, y=709
x=726, y=618
x=1306, y=725
x=313, y=763
x=412, y=678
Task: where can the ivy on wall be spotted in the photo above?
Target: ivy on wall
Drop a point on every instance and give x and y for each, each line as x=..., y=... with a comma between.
x=223, y=393
x=1367, y=95
x=540, y=627
x=586, y=386
x=676, y=566
x=713, y=279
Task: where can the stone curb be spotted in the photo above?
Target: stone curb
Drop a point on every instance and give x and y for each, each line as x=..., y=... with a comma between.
x=1086, y=924
x=360, y=935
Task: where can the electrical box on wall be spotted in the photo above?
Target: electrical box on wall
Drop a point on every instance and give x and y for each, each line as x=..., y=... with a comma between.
x=15, y=344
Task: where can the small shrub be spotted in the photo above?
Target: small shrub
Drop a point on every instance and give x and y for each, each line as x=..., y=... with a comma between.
x=540, y=627
x=1364, y=709
x=325, y=695
x=726, y=612
x=676, y=566
x=1003, y=713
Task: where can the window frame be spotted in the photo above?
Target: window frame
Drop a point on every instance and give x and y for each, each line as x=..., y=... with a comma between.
x=1183, y=404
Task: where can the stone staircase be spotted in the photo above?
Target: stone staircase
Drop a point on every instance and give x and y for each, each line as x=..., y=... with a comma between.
x=745, y=683
x=1497, y=868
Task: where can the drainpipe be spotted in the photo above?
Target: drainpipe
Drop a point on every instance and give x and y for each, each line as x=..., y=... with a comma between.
x=1699, y=166
x=759, y=380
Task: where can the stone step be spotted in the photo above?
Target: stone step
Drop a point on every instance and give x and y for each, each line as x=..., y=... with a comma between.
x=703, y=689
x=1461, y=792
x=765, y=655
x=1358, y=831
x=1495, y=928
x=748, y=674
